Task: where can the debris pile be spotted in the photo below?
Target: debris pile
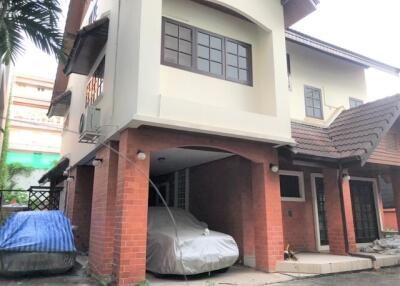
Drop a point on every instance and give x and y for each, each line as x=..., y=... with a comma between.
x=389, y=245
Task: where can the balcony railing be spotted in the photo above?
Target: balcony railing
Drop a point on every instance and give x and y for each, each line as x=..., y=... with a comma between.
x=95, y=85
x=94, y=89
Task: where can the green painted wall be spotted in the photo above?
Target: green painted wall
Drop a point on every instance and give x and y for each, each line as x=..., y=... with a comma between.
x=34, y=160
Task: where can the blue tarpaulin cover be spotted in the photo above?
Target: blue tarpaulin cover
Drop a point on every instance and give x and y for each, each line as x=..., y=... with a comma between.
x=37, y=231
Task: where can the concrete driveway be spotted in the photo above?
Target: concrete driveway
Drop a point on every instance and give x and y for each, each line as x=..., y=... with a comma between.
x=382, y=277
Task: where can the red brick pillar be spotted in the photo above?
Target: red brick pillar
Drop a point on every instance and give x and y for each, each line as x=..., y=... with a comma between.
x=131, y=213
x=103, y=208
x=395, y=179
x=79, y=204
x=267, y=215
x=248, y=230
x=334, y=213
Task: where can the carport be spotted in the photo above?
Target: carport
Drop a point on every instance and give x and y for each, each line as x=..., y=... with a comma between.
x=230, y=186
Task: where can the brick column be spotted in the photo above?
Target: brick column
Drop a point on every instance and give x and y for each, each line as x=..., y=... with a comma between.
x=395, y=179
x=267, y=216
x=103, y=208
x=334, y=214
x=79, y=204
x=130, y=213
x=248, y=230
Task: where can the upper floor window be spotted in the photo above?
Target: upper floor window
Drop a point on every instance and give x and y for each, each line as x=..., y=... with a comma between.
x=313, y=101
x=204, y=52
x=354, y=102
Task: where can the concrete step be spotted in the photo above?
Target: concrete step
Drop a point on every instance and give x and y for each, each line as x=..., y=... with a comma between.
x=319, y=263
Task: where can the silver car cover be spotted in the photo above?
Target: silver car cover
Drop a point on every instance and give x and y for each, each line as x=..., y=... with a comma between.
x=202, y=250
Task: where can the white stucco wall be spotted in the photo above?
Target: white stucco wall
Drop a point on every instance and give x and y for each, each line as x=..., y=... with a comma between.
x=338, y=80
x=138, y=90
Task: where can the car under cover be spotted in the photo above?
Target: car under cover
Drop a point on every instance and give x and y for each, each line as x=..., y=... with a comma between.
x=196, y=249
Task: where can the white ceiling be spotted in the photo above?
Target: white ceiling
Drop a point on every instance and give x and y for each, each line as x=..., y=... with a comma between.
x=179, y=158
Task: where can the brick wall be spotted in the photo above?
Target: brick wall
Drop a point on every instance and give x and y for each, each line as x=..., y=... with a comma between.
x=216, y=191
x=79, y=204
x=102, y=225
x=298, y=220
x=390, y=219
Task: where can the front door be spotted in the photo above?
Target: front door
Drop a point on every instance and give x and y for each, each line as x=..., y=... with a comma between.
x=319, y=212
x=364, y=211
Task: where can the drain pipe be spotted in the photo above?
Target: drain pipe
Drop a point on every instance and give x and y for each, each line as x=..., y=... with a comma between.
x=345, y=230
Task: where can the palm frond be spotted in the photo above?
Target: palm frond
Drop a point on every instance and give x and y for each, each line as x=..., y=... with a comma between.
x=38, y=20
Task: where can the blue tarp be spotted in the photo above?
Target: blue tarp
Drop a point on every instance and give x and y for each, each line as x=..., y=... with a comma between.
x=37, y=231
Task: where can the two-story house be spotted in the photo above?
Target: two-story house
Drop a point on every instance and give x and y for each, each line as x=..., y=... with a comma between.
x=237, y=119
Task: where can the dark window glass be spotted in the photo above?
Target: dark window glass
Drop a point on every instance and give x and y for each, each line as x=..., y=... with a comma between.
x=355, y=102
x=237, y=62
x=200, y=51
x=313, y=102
x=290, y=187
x=177, y=44
x=209, y=48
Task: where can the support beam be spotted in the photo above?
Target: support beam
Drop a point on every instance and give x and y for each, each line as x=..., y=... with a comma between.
x=129, y=266
x=103, y=213
x=267, y=215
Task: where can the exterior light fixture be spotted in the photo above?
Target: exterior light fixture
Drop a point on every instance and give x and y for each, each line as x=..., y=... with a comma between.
x=65, y=173
x=70, y=179
x=274, y=168
x=346, y=177
x=140, y=155
x=97, y=162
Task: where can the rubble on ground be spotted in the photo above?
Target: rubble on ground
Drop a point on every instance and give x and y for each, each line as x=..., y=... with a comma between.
x=389, y=245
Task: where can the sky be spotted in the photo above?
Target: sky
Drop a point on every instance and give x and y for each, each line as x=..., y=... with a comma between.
x=368, y=27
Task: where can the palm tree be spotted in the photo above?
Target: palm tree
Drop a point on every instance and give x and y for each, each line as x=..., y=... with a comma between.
x=36, y=19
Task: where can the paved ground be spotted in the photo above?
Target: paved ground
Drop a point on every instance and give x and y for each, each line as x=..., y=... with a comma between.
x=383, y=277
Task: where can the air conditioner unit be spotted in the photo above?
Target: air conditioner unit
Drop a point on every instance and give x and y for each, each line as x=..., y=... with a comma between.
x=89, y=125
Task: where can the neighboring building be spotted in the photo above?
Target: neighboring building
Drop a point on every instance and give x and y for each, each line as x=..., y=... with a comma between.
x=34, y=139
x=217, y=94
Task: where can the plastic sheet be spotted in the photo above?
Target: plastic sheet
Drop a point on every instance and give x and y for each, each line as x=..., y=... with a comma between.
x=37, y=231
x=202, y=250
x=389, y=245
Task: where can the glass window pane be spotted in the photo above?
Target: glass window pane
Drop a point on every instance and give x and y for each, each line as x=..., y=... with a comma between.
x=185, y=60
x=170, y=56
x=216, y=55
x=242, y=63
x=216, y=43
x=309, y=102
x=216, y=68
x=317, y=112
x=290, y=187
x=310, y=111
x=171, y=29
x=231, y=48
x=203, y=65
x=232, y=60
x=185, y=33
x=203, y=39
x=242, y=51
x=171, y=43
x=243, y=75
x=185, y=46
x=316, y=94
x=232, y=73
x=317, y=103
x=203, y=52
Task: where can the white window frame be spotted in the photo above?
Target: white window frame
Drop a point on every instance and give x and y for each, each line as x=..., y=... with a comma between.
x=300, y=175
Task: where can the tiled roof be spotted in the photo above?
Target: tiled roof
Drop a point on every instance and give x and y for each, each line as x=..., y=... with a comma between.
x=355, y=133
